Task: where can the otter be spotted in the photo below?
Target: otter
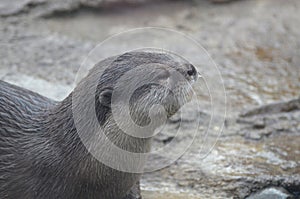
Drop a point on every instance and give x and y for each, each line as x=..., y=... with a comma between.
x=43, y=157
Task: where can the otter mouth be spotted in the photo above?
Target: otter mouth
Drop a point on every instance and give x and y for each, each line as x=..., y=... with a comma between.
x=170, y=93
x=181, y=89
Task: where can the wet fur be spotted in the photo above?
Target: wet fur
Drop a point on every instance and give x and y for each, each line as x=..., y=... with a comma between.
x=41, y=154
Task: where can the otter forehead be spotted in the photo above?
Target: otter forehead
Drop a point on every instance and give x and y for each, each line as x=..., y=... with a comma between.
x=158, y=65
x=128, y=61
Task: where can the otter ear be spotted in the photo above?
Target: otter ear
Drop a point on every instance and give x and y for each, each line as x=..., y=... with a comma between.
x=105, y=97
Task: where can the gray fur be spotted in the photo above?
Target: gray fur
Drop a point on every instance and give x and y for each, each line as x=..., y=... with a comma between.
x=41, y=154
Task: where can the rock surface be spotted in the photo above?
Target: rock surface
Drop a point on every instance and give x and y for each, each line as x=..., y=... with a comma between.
x=256, y=47
x=273, y=192
x=48, y=7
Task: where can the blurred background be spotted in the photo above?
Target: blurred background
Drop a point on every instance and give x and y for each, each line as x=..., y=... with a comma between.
x=256, y=45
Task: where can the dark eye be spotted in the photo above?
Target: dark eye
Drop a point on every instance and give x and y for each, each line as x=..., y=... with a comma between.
x=191, y=71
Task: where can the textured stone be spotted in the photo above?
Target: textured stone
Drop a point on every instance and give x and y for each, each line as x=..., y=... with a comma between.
x=273, y=192
x=256, y=47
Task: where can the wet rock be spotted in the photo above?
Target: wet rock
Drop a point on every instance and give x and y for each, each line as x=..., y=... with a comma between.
x=13, y=7
x=258, y=61
x=253, y=135
x=48, y=7
x=273, y=192
x=292, y=105
x=269, y=120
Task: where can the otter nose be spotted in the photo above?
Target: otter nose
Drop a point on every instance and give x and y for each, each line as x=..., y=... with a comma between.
x=191, y=71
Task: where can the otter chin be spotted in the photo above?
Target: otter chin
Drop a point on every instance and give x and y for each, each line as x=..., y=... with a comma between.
x=43, y=142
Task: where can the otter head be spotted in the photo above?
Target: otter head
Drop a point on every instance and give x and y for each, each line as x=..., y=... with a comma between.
x=143, y=89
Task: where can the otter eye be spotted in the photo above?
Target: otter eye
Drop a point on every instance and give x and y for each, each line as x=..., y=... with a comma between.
x=105, y=97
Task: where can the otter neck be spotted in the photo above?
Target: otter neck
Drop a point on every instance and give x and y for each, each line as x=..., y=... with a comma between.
x=77, y=162
x=66, y=131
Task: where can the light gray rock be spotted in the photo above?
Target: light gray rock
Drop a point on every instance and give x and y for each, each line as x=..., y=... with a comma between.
x=271, y=193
